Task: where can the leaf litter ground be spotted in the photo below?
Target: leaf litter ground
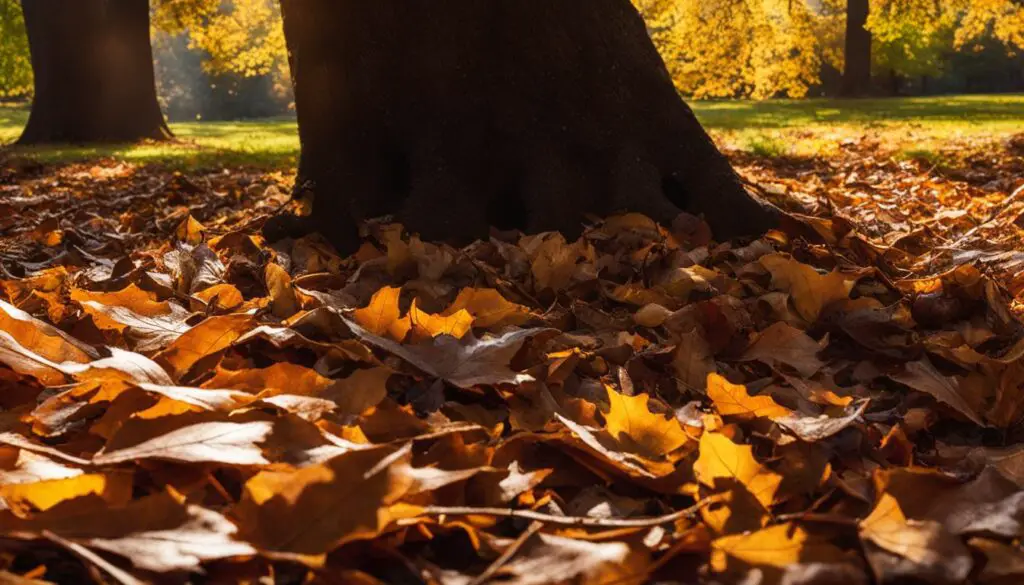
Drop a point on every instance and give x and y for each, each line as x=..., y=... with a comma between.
x=837, y=402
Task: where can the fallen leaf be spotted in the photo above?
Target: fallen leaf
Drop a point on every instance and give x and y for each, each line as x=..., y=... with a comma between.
x=721, y=459
x=488, y=308
x=733, y=400
x=383, y=317
x=784, y=344
x=312, y=510
x=923, y=377
x=463, y=362
x=210, y=336
x=215, y=442
x=776, y=546
x=811, y=291
x=929, y=551
x=631, y=422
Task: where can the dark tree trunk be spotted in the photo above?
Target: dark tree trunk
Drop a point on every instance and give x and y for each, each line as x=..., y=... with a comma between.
x=513, y=113
x=93, y=67
x=857, y=73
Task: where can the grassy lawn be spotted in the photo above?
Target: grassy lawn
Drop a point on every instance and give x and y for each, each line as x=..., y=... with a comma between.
x=932, y=127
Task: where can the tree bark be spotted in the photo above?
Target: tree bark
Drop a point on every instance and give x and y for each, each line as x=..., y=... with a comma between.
x=513, y=113
x=93, y=67
x=857, y=73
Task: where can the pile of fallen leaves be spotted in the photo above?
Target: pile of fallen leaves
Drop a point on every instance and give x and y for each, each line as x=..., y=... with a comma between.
x=921, y=219
x=183, y=402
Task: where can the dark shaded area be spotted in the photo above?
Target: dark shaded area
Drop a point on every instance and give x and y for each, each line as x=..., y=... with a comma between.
x=448, y=118
x=93, y=66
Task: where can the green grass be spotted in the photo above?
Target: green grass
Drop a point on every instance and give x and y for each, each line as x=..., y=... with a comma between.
x=901, y=126
x=928, y=128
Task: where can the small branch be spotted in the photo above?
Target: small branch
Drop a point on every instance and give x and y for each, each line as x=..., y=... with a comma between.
x=508, y=554
x=817, y=517
x=569, y=520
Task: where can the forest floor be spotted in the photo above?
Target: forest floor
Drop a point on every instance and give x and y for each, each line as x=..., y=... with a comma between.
x=842, y=402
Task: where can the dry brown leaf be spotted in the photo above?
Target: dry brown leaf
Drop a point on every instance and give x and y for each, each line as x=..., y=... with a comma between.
x=313, y=510
x=157, y=533
x=463, y=362
x=923, y=377
x=227, y=443
x=693, y=360
x=784, y=344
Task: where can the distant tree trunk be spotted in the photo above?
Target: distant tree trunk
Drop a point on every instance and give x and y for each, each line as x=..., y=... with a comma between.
x=857, y=74
x=513, y=113
x=93, y=67
x=895, y=82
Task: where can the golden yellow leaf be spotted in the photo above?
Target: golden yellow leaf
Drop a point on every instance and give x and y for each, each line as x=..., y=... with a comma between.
x=283, y=303
x=489, y=308
x=721, y=459
x=383, y=316
x=210, y=336
x=811, y=291
x=922, y=542
x=224, y=297
x=632, y=423
x=777, y=546
x=427, y=325
x=114, y=488
x=131, y=297
x=190, y=231
x=282, y=377
x=734, y=400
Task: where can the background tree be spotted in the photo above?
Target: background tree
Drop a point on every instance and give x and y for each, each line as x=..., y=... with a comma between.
x=504, y=112
x=15, y=66
x=740, y=48
x=93, y=72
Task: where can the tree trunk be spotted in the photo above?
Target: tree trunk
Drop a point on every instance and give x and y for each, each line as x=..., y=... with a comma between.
x=513, y=113
x=93, y=67
x=857, y=73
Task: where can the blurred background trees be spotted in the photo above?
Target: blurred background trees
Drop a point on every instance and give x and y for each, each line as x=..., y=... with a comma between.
x=226, y=59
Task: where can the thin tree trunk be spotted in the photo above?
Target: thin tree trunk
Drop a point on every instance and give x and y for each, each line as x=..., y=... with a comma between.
x=857, y=73
x=93, y=67
x=514, y=113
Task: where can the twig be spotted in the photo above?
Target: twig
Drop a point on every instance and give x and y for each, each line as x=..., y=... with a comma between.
x=817, y=517
x=508, y=554
x=114, y=571
x=569, y=520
